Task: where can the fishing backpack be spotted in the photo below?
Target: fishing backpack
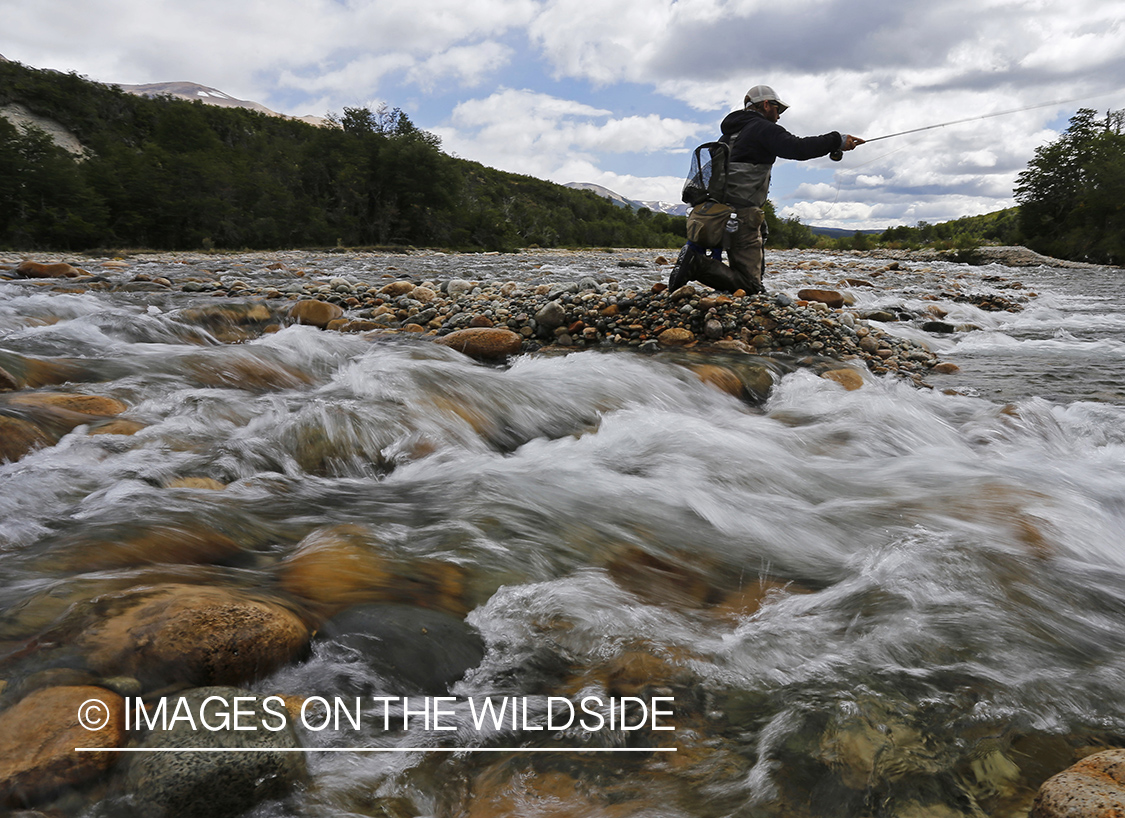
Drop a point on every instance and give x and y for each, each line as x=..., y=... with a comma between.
x=715, y=178
x=708, y=176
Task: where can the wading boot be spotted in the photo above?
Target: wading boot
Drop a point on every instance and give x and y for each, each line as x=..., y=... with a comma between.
x=681, y=271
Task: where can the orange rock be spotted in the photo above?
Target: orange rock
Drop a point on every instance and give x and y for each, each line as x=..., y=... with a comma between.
x=337, y=567
x=830, y=297
x=847, y=378
x=39, y=734
x=315, y=313
x=946, y=368
x=397, y=288
x=676, y=336
x=194, y=635
x=117, y=427
x=195, y=483
x=1092, y=788
x=746, y=600
x=660, y=581
x=241, y=368
x=33, y=269
x=719, y=377
x=19, y=436
x=155, y=545
x=483, y=342
x=72, y=402
x=31, y=373
x=355, y=325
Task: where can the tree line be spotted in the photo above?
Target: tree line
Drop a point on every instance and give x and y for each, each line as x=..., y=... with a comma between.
x=171, y=174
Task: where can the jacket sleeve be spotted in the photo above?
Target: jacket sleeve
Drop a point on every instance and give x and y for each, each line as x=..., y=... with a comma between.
x=784, y=144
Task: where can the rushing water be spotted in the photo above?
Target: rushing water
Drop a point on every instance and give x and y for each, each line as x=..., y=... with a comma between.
x=941, y=572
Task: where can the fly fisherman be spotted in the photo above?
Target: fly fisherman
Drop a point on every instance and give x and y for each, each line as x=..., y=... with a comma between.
x=737, y=223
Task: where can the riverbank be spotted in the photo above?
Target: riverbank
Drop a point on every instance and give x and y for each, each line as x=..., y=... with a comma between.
x=625, y=304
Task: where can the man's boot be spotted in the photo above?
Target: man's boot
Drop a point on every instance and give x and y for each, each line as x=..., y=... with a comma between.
x=682, y=270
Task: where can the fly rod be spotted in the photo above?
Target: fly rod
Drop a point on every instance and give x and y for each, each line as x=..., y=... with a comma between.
x=837, y=155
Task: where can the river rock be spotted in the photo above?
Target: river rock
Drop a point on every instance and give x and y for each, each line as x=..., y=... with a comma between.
x=719, y=377
x=397, y=288
x=22, y=372
x=209, y=483
x=242, y=368
x=151, y=545
x=676, y=336
x=57, y=413
x=337, y=567
x=216, y=784
x=39, y=734
x=418, y=650
x=1092, y=788
x=938, y=327
x=832, y=298
x=117, y=426
x=228, y=323
x=848, y=378
x=71, y=402
x=19, y=436
x=34, y=269
x=483, y=342
x=344, y=565
x=315, y=313
x=551, y=315
x=196, y=635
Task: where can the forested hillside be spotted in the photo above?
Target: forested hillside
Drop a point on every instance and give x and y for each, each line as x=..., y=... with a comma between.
x=169, y=174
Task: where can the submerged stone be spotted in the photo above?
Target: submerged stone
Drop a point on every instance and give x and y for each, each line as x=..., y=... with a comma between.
x=216, y=784
x=39, y=734
x=187, y=634
x=417, y=650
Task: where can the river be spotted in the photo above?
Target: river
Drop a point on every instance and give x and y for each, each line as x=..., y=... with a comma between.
x=891, y=601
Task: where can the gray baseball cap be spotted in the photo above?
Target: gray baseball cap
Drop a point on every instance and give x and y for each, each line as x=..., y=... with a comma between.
x=760, y=93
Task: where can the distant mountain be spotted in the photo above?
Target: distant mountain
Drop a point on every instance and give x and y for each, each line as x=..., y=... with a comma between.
x=211, y=96
x=605, y=193
x=632, y=204
x=671, y=208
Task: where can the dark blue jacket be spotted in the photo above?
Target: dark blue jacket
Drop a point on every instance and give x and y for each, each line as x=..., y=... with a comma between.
x=762, y=141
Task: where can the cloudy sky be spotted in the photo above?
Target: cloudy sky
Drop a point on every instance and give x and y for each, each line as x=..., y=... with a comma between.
x=618, y=92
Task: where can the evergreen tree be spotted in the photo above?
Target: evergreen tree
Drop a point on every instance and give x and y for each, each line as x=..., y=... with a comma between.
x=1071, y=193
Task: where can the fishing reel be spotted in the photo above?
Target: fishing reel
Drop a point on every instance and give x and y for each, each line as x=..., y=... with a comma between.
x=836, y=155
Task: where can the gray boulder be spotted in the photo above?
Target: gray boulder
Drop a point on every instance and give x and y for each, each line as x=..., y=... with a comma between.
x=215, y=784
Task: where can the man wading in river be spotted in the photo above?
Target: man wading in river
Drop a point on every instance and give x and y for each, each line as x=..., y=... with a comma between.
x=728, y=205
